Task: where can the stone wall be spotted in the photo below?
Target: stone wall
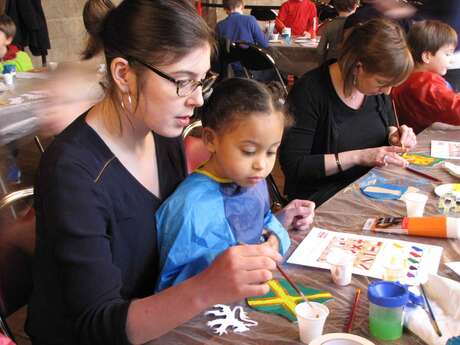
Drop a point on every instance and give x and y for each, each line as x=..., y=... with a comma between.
x=68, y=35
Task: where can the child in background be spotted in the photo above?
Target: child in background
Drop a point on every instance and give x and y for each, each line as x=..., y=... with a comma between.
x=225, y=202
x=9, y=53
x=332, y=35
x=426, y=97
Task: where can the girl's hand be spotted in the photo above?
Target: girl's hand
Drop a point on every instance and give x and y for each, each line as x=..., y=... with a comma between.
x=272, y=241
x=405, y=137
x=298, y=214
x=382, y=156
x=239, y=272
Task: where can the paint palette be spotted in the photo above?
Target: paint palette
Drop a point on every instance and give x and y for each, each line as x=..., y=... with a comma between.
x=443, y=189
x=421, y=159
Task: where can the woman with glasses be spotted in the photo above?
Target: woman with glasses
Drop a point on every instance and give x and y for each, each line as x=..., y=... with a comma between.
x=103, y=178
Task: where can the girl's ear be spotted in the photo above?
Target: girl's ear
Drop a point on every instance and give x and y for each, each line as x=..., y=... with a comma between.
x=426, y=57
x=122, y=74
x=209, y=138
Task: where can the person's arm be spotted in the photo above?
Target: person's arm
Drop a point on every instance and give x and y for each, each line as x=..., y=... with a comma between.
x=78, y=221
x=189, y=240
x=298, y=162
x=239, y=272
x=313, y=14
x=323, y=44
x=281, y=19
x=257, y=34
x=443, y=101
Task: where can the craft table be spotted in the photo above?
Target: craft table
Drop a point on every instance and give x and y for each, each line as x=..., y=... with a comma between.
x=294, y=58
x=19, y=120
x=345, y=212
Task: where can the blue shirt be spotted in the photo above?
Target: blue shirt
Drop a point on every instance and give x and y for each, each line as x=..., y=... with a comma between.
x=239, y=27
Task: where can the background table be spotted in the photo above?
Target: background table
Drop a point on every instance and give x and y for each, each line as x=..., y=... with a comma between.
x=294, y=58
x=345, y=212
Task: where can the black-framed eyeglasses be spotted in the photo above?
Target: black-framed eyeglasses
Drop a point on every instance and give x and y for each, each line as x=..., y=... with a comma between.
x=186, y=87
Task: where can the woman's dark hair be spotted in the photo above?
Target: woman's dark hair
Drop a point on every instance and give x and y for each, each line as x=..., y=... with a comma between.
x=430, y=36
x=380, y=46
x=235, y=98
x=158, y=32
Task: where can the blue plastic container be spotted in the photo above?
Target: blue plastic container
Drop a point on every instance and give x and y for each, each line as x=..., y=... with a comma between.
x=386, y=309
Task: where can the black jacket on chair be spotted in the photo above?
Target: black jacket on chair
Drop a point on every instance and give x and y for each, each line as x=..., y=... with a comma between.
x=31, y=27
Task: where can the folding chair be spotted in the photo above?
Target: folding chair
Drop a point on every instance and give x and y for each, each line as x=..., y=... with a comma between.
x=254, y=58
x=226, y=55
x=17, y=243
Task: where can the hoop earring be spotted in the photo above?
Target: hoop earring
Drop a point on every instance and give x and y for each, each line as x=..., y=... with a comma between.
x=123, y=104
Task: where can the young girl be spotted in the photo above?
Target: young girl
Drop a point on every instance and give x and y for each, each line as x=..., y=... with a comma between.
x=225, y=202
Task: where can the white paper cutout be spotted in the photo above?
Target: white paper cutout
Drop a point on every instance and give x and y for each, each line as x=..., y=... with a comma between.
x=230, y=319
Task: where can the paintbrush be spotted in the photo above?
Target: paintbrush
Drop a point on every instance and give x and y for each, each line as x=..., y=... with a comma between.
x=349, y=324
x=397, y=121
x=284, y=274
x=296, y=288
x=430, y=311
x=415, y=171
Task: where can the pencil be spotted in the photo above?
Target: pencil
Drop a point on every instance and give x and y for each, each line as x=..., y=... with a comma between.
x=430, y=311
x=415, y=171
x=349, y=324
x=296, y=288
x=397, y=120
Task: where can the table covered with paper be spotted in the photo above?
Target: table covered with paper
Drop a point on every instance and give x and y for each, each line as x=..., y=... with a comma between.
x=347, y=212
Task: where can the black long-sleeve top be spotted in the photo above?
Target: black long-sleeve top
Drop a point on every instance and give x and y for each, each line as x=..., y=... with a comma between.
x=96, y=239
x=324, y=125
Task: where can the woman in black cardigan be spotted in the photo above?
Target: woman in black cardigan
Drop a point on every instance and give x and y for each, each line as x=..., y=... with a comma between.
x=344, y=123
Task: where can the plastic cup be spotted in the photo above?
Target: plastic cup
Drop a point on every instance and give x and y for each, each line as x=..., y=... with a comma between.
x=8, y=78
x=386, y=309
x=52, y=65
x=341, y=265
x=275, y=37
x=311, y=317
x=415, y=204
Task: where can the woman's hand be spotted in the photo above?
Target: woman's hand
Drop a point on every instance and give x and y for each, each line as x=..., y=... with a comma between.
x=298, y=214
x=382, y=156
x=405, y=137
x=239, y=272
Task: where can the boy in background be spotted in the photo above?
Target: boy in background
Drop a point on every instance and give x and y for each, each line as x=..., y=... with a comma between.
x=333, y=33
x=426, y=97
x=9, y=53
x=240, y=27
x=297, y=15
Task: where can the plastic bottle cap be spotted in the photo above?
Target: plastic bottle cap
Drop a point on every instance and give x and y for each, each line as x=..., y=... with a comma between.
x=388, y=294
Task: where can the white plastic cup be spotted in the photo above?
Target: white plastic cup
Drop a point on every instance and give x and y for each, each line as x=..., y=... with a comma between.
x=275, y=37
x=8, y=78
x=286, y=32
x=52, y=65
x=415, y=204
x=311, y=317
x=341, y=265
